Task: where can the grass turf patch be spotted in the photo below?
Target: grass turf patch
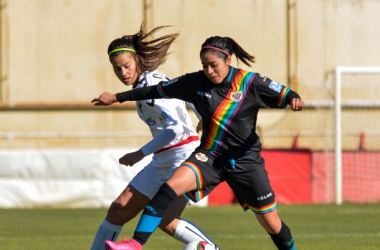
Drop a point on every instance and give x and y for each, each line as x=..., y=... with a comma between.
x=316, y=227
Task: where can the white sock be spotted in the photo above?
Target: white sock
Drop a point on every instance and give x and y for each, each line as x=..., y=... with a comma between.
x=106, y=231
x=187, y=232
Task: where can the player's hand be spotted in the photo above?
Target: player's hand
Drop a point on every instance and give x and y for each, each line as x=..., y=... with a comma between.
x=104, y=99
x=297, y=104
x=199, y=126
x=131, y=159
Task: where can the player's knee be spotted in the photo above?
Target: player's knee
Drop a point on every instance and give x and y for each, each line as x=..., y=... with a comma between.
x=116, y=206
x=116, y=214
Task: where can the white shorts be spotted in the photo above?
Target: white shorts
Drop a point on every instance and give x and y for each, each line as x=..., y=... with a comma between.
x=162, y=166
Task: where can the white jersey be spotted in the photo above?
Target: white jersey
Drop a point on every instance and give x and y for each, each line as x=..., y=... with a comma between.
x=168, y=119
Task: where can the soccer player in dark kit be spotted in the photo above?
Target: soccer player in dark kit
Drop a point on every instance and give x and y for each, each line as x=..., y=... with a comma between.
x=228, y=99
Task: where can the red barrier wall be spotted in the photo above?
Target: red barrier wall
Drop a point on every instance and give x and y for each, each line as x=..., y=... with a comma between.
x=361, y=176
x=289, y=173
x=303, y=176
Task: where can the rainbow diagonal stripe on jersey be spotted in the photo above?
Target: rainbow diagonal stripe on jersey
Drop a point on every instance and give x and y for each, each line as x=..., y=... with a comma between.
x=226, y=111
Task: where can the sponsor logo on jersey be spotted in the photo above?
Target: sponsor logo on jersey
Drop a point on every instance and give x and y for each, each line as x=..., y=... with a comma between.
x=208, y=95
x=170, y=82
x=164, y=116
x=276, y=86
x=201, y=157
x=236, y=96
x=264, y=78
x=150, y=121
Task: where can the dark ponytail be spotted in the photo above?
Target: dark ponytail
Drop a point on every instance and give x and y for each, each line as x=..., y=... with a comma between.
x=228, y=45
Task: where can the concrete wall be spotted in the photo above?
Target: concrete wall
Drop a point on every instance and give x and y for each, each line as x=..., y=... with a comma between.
x=54, y=61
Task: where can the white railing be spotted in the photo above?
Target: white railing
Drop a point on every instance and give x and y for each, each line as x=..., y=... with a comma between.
x=10, y=136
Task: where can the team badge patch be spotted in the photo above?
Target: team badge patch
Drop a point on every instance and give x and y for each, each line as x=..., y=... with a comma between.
x=236, y=96
x=201, y=157
x=276, y=86
x=170, y=82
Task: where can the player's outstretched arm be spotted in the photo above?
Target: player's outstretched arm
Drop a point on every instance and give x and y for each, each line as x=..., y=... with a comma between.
x=105, y=99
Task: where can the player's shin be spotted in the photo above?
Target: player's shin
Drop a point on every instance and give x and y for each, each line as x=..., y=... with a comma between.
x=153, y=213
x=106, y=231
x=187, y=232
x=283, y=240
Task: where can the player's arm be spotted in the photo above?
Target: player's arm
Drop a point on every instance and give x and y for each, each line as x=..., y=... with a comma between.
x=172, y=128
x=162, y=139
x=175, y=88
x=275, y=95
x=107, y=98
x=294, y=101
x=159, y=141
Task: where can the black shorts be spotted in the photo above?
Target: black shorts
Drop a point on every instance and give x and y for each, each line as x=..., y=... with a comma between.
x=246, y=176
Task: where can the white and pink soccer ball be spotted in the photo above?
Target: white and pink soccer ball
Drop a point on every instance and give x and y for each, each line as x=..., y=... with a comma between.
x=199, y=245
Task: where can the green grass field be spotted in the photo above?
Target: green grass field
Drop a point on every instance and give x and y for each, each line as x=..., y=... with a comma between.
x=314, y=227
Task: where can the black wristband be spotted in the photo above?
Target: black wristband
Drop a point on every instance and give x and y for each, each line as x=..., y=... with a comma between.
x=291, y=95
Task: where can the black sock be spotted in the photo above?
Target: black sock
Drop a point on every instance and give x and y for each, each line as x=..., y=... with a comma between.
x=283, y=240
x=153, y=213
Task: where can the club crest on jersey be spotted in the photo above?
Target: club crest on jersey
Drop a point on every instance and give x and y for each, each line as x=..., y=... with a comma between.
x=236, y=96
x=170, y=82
x=201, y=157
x=276, y=86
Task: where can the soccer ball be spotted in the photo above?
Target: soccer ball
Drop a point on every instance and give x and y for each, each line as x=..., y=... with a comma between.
x=199, y=245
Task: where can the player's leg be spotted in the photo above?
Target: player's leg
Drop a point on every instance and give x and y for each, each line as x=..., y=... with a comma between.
x=277, y=229
x=270, y=221
x=186, y=179
x=181, y=229
x=130, y=202
x=127, y=206
x=160, y=169
x=183, y=180
x=124, y=208
x=157, y=208
x=253, y=191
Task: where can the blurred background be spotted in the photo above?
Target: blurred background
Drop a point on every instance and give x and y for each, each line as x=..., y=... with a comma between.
x=57, y=150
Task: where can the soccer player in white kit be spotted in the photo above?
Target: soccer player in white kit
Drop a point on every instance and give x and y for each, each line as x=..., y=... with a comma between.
x=135, y=59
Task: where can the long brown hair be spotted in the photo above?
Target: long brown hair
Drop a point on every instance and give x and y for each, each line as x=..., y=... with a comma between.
x=150, y=53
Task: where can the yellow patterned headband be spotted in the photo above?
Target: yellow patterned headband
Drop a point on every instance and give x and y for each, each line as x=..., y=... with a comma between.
x=121, y=49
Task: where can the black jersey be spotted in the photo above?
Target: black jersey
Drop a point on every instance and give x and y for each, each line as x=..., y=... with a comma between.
x=229, y=109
